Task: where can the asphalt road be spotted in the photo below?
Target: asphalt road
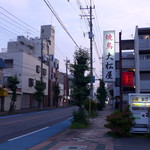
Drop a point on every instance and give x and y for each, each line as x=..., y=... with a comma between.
x=18, y=125
x=133, y=143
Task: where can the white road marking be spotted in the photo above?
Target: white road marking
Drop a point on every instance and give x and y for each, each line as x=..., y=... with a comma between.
x=70, y=118
x=27, y=134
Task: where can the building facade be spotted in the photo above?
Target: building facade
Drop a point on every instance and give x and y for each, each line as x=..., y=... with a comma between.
x=32, y=59
x=135, y=61
x=28, y=71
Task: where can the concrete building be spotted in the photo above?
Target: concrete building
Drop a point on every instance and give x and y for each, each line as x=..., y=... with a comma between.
x=23, y=58
x=28, y=71
x=142, y=59
x=135, y=59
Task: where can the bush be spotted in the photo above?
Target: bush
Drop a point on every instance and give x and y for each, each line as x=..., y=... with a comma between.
x=80, y=117
x=76, y=125
x=93, y=108
x=120, y=123
x=99, y=106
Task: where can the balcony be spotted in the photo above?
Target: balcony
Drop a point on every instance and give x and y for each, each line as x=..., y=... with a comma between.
x=145, y=65
x=144, y=44
x=145, y=85
x=128, y=63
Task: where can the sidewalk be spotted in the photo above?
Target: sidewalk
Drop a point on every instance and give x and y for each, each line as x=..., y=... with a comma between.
x=92, y=138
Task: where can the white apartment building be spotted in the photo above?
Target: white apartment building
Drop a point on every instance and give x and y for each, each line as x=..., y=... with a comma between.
x=142, y=59
x=136, y=59
x=28, y=70
x=23, y=58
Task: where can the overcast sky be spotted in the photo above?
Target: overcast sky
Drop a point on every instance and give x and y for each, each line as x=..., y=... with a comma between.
x=118, y=15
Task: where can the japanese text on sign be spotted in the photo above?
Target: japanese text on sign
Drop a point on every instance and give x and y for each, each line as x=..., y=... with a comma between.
x=109, y=56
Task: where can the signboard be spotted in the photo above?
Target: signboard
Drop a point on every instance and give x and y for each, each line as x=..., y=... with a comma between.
x=109, y=56
x=139, y=102
x=127, y=79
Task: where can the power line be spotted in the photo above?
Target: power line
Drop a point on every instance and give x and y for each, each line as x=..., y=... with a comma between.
x=9, y=27
x=8, y=30
x=19, y=19
x=59, y=20
x=11, y=23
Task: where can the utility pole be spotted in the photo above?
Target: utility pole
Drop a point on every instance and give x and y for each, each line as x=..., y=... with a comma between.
x=91, y=51
x=41, y=59
x=67, y=82
x=120, y=58
x=49, y=74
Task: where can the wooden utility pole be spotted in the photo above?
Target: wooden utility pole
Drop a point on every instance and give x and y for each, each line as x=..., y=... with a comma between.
x=91, y=35
x=120, y=58
x=67, y=82
x=41, y=59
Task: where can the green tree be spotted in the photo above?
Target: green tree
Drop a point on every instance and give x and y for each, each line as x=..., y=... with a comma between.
x=80, y=88
x=12, y=84
x=39, y=94
x=56, y=90
x=101, y=94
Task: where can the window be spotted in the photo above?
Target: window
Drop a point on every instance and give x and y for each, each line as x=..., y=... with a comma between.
x=42, y=31
x=38, y=69
x=44, y=85
x=44, y=72
x=9, y=63
x=31, y=82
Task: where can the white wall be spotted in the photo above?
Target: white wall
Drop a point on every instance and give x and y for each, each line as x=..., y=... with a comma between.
x=24, y=68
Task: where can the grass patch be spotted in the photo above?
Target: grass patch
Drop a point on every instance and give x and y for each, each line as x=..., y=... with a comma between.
x=76, y=125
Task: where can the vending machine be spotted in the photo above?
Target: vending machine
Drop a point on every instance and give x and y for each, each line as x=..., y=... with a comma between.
x=140, y=108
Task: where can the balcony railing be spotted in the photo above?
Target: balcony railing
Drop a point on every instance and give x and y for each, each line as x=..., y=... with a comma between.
x=144, y=44
x=129, y=63
x=145, y=65
x=145, y=85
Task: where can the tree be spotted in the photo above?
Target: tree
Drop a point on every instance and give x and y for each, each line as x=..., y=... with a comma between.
x=12, y=84
x=56, y=90
x=101, y=93
x=80, y=88
x=39, y=94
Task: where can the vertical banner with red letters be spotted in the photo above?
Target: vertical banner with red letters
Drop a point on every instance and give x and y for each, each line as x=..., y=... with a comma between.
x=109, y=56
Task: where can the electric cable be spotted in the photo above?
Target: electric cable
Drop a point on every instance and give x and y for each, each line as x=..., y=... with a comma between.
x=59, y=20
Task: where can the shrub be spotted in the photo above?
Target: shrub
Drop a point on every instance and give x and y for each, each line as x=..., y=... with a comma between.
x=76, y=125
x=80, y=118
x=93, y=108
x=99, y=106
x=120, y=123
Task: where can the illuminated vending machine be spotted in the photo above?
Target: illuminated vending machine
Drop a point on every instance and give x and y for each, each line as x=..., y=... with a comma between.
x=140, y=107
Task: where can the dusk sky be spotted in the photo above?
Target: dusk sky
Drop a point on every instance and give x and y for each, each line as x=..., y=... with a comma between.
x=118, y=15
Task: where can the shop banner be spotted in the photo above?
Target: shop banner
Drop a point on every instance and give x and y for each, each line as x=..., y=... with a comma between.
x=109, y=56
